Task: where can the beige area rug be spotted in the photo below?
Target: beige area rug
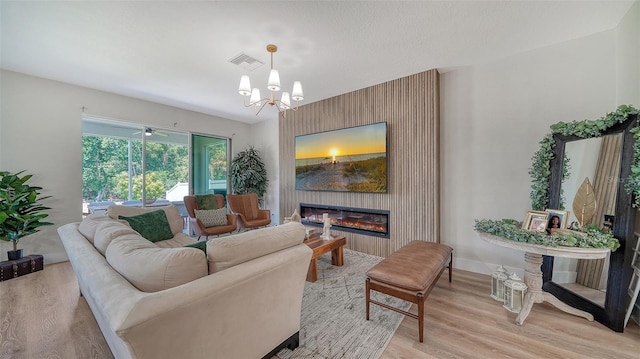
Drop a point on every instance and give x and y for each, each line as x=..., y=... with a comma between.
x=333, y=323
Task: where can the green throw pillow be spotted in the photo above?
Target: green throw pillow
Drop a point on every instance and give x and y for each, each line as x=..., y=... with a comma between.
x=206, y=201
x=153, y=226
x=201, y=245
x=212, y=217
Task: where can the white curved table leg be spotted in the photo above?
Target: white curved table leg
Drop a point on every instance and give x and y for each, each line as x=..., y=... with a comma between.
x=527, y=303
x=548, y=297
x=535, y=294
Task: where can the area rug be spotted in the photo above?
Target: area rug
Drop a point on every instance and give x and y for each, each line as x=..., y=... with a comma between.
x=333, y=323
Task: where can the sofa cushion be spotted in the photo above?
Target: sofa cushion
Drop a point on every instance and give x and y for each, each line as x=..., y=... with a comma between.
x=226, y=252
x=212, y=217
x=151, y=269
x=107, y=231
x=201, y=245
x=90, y=223
x=173, y=215
x=179, y=240
x=153, y=226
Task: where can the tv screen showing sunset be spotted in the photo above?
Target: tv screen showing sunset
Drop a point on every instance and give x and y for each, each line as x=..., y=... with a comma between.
x=351, y=159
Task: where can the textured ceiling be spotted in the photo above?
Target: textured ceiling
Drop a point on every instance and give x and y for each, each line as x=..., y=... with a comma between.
x=177, y=53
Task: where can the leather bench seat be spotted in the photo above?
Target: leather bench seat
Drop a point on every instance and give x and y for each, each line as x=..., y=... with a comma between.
x=410, y=274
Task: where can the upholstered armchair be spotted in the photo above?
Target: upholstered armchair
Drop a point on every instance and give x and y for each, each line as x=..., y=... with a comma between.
x=249, y=214
x=199, y=226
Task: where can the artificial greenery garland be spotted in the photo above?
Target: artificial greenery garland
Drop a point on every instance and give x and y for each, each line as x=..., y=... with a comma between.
x=511, y=229
x=540, y=170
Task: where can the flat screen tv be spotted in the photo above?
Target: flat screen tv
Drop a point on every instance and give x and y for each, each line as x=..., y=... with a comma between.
x=351, y=159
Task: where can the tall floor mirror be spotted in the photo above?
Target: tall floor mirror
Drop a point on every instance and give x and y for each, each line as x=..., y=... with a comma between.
x=596, y=286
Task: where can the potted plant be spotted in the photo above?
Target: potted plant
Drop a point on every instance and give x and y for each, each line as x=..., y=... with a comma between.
x=248, y=173
x=20, y=210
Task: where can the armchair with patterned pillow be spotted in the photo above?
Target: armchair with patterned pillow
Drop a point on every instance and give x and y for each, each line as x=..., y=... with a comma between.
x=208, y=215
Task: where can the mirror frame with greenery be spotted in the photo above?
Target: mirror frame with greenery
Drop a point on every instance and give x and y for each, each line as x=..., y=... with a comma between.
x=548, y=171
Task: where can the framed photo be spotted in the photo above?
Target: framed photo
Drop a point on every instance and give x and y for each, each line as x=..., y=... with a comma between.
x=535, y=221
x=557, y=219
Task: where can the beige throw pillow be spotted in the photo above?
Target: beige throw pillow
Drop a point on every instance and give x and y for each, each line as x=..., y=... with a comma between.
x=107, y=231
x=212, y=217
x=151, y=269
x=90, y=223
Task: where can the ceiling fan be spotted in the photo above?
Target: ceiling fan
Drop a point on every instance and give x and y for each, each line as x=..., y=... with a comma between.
x=148, y=131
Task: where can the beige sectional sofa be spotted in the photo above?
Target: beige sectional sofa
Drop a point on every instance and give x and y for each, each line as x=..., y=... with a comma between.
x=242, y=299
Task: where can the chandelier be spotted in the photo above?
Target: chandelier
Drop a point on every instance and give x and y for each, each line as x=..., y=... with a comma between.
x=273, y=85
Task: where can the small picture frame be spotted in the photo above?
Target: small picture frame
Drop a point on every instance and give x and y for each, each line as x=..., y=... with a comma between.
x=535, y=221
x=557, y=220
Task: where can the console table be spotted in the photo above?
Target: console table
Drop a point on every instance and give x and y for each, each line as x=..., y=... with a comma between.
x=533, y=273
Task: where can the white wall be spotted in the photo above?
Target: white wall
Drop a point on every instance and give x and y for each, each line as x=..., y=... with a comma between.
x=40, y=132
x=493, y=117
x=628, y=58
x=265, y=138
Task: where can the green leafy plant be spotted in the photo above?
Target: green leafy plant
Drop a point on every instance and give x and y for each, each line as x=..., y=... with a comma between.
x=248, y=173
x=154, y=185
x=20, y=210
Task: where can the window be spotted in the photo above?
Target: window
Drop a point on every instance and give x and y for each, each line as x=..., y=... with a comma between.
x=117, y=158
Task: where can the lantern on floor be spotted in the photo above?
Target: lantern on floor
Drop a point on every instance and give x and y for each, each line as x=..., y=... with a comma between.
x=514, y=290
x=497, y=283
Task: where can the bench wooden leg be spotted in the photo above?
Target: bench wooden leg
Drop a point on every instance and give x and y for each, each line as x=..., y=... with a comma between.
x=421, y=299
x=366, y=290
x=450, y=267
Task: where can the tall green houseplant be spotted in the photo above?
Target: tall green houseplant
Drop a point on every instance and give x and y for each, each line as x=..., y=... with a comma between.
x=20, y=210
x=248, y=173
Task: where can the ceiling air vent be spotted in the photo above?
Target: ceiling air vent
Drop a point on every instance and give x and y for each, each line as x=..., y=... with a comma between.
x=246, y=62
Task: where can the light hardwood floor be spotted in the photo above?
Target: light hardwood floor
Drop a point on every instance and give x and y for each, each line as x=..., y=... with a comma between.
x=43, y=316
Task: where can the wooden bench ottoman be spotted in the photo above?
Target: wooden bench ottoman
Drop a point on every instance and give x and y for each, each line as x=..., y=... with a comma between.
x=410, y=274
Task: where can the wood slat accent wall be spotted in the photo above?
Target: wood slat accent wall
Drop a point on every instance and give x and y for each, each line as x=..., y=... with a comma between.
x=410, y=106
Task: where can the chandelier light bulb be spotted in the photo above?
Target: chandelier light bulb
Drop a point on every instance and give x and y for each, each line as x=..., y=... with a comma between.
x=297, y=93
x=245, y=86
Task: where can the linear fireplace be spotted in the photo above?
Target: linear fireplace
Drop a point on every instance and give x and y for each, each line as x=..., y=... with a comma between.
x=372, y=222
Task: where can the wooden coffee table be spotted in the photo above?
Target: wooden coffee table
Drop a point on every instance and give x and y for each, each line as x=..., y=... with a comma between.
x=321, y=246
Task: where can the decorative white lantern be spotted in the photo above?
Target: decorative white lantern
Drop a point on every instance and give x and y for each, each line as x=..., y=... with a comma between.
x=514, y=290
x=497, y=283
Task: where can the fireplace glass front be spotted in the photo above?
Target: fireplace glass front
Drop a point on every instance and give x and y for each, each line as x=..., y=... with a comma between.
x=372, y=222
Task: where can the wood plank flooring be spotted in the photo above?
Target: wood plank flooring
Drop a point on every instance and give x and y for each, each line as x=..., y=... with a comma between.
x=43, y=316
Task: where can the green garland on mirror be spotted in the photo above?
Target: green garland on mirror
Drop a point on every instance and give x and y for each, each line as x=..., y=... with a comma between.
x=511, y=229
x=540, y=170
